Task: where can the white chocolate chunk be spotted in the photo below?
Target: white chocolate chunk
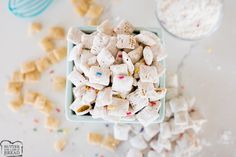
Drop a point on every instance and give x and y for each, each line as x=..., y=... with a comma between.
x=104, y=97
x=145, y=39
x=126, y=41
x=136, y=54
x=105, y=58
x=121, y=131
x=147, y=55
x=74, y=35
x=99, y=75
x=138, y=142
x=148, y=74
x=111, y=46
x=124, y=27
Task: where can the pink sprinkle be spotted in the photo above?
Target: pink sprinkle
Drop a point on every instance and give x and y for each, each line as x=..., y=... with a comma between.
x=129, y=113
x=36, y=121
x=51, y=71
x=120, y=55
x=121, y=77
x=58, y=110
x=152, y=103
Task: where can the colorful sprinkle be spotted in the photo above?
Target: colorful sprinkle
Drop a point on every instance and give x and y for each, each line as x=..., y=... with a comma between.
x=120, y=55
x=121, y=77
x=98, y=74
x=58, y=110
x=107, y=125
x=142, y=129
x=151, y=103
x=76, y=129
x=60, y=130
x=128, y=113
x=51, y=71
x=36, y=121
x=35, y=129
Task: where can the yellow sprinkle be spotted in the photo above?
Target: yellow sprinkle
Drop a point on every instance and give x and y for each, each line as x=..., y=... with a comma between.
x=136, y=70
x=209, y=50
x=110, y=107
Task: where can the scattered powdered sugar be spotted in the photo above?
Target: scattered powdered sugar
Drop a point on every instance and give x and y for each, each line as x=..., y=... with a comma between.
x=189, y=19
x=226, y=138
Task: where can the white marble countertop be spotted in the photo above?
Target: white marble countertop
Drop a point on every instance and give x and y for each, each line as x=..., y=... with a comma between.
x=209, y=73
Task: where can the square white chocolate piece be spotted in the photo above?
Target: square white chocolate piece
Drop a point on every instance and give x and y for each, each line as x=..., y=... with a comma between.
x=74, y=35
x=105, y=58
x=137, y=102
x=147, y=116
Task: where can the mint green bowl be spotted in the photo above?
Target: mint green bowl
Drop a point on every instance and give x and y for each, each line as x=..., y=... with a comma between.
x=69, y=94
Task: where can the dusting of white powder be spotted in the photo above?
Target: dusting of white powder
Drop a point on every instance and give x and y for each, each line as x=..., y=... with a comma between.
x=189, y=19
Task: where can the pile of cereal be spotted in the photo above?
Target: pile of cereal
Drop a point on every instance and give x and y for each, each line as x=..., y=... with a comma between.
x=177, y=136
x=117, y=73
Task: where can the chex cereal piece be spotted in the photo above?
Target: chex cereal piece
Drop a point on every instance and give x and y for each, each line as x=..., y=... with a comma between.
x=181, y=118
x=110, y=143
x=111, y=46
x=100, y=41
x=47, y=44
x=99, y=75
x=147, y=116
x=136, y=54
x=35, y=27
x=152, y=153
x=51, y=122
x=134, y=153
x=138, y=142
x=157, y=94
x=119, y=69
x=17, y=76
x=32, y=76
x=76, y=78
x=28, y=66
x=58, y=83
x=14, y=88
x=126, y=41
x=87, y=40
x=126, y=59
x=145, y=39
x=145, y=89
x=81, y=6
x=148, y=74
x=151, y=131
x=95, y=138
x=75, y=53
x=42, y=64
x=52, y=58
x=94, y=11
x=137, y=102
x=164, y=143
x=122, y=83
x=178, y=104
x=105, y=58
x=104, y=97
x=40, y=101
x=30, y=97
x=79, y=107
x=165, y=130
x=16, y=104
x=74, y=35
x=89, y=96
x=98, y=112
x=197, y=117
x=105, y=27
x=172, y=81
x=60, y=53
x=93, y=22
x=151, y=35
x=47, y=107
x=119, y=107
x=60, y=144
x=57, y=32
x=124, y=27
x=147, y=55
x=121, y=131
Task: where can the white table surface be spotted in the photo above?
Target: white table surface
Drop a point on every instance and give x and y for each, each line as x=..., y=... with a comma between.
x=211, y=77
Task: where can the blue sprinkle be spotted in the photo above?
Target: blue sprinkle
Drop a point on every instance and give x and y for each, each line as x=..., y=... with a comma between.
x=142, y=129
x=98, y=74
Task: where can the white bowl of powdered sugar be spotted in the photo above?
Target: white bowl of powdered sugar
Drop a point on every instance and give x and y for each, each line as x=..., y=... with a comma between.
x=189, y=19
